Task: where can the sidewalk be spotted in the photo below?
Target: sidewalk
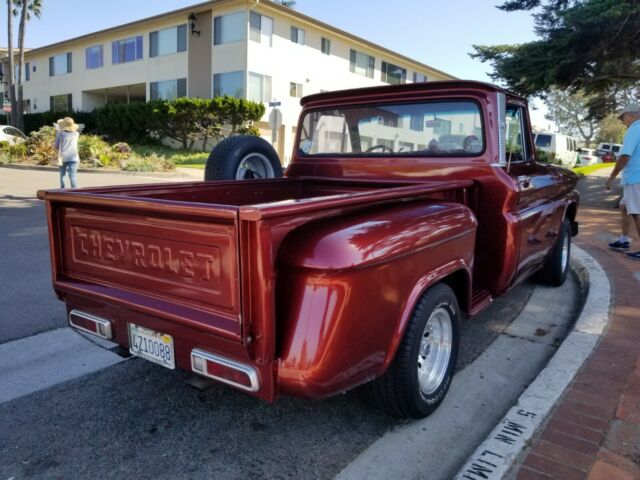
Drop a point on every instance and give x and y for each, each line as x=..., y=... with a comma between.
x=594, y=432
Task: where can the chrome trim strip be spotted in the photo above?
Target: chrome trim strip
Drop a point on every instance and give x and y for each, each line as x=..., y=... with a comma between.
x=92, y=318
x=502, y=129
x=241, y=367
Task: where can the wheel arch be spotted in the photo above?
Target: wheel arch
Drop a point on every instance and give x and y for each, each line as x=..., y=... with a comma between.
x=456, y=275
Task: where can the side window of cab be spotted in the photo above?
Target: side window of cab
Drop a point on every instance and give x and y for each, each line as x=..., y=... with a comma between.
x=518, y=149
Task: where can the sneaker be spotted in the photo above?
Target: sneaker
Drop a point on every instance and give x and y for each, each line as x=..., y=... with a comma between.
x=619, y=246
x=633, y=256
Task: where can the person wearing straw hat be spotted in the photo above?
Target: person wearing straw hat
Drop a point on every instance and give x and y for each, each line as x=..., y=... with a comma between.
x=67, y=146
x=629, y=164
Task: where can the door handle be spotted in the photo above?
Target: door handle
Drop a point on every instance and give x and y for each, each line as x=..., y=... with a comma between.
x=524, y=181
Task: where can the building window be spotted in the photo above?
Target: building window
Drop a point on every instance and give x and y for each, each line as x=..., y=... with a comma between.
x=25, y=69
x=60, y=64
x=297, y=35
x=230, y=83
x=419, y=77
x=259, y=87
x=167, y=41
x=228, y=28
x=393, y=74
x=60, y=103
x=168, y=89
x=326, y=46
x=261, y=29
x=361, y=63
x=295, y=89
x=94, y=57
x=127, y=50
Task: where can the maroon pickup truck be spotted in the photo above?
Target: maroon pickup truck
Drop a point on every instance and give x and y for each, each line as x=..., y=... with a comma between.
x=404, y=209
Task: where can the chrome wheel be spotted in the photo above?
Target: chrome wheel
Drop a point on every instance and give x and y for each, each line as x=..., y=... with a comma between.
x=435, y=350
x=254, y=165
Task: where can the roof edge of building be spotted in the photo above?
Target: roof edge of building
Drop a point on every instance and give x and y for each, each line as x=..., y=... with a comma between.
x=250, y=4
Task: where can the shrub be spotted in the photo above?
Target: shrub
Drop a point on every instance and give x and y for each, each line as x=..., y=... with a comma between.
x=124, y=121
x=91, y=148
x=547, y=157
x=149, y=163
x=35, y=121
x=4, y=145
x=185, y=120
x=105, y=160
x=40, y=145
x=17, y=152
x=121, y=153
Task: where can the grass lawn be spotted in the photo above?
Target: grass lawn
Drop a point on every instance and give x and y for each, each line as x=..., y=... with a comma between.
x=181, y=158
x=587, y=169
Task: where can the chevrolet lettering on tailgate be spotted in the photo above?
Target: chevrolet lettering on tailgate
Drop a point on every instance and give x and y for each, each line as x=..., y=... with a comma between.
x=134, y=254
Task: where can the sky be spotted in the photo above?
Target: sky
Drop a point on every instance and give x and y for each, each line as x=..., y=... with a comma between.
x=438, y=33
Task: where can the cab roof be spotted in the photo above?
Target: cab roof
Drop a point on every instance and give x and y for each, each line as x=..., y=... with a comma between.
x=397, y=91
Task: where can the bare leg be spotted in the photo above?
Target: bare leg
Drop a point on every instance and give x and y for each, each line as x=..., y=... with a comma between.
x=626, y=221
x=636, y=220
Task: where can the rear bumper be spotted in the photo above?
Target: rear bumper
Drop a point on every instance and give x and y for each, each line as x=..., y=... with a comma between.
x=186, y=341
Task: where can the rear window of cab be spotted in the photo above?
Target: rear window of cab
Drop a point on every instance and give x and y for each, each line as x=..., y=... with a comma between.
x=452, y=128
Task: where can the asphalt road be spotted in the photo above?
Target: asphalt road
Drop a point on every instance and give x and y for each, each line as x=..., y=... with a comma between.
x=139, y=420
x=28, y=304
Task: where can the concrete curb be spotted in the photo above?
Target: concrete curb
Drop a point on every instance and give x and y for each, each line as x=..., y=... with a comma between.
x=497, y=456
x=47, y=168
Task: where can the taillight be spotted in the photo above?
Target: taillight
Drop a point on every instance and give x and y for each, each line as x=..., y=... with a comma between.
x=225, y=370
x=90, y=324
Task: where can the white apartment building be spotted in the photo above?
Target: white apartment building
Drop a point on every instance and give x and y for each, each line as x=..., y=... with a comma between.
x=254, y=49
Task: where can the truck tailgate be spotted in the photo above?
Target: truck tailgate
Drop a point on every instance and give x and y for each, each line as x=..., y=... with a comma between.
x=183, y=264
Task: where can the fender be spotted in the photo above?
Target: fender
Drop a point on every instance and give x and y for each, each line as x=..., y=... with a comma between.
x=346, y=287
x=422, y=286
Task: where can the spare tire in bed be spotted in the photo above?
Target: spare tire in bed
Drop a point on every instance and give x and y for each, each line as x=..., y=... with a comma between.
x=242, y=157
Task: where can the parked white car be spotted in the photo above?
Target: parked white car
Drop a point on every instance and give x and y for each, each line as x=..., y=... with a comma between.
x=587, y=156
x=564, y=147
x=11, y=134
x=603, y=148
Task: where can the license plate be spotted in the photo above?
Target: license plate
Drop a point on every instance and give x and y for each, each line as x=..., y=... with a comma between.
x=151, y=345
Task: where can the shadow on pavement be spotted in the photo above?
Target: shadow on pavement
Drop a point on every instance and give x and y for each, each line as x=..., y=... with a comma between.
x=29, y=305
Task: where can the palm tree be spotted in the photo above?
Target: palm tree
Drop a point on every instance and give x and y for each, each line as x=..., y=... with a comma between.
x=28, y=8
x=10, y=75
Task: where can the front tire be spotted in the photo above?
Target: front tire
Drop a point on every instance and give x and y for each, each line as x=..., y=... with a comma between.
x=556, y=267
x=242, y=157
x=420, y=375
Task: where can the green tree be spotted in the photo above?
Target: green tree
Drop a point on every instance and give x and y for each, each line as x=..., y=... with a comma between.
x=584, y=45
x=611, y=130
x=570, y=112
x=240, y=114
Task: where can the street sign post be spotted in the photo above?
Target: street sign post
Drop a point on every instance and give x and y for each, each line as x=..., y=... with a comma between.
x=275, y=120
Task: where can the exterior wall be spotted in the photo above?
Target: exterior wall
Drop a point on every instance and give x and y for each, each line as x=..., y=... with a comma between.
x=288, y=62
x=199, y=50
x=230, y=57
x=41, y=86
x=284, y=61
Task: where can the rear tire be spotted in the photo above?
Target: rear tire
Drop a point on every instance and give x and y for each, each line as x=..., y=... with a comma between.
x=242, y=157
x=419, y=377
x=556, y=267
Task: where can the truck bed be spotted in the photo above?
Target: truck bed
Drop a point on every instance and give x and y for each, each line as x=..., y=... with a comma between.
x=199, y=257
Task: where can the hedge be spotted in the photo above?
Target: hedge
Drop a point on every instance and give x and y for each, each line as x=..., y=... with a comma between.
x=35, y=121
x=185, y=120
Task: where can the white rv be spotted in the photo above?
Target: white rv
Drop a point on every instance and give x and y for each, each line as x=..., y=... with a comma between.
x=564, y=147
